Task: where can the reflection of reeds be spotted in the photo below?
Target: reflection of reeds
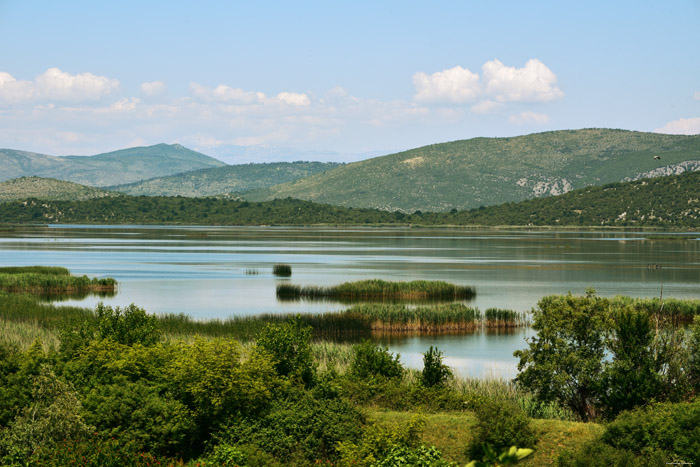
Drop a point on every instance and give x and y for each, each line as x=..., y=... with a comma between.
x=251, y=272
x=377, y=289
x=282, y=270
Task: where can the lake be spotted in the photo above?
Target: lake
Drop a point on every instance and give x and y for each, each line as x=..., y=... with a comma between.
x=217, y=272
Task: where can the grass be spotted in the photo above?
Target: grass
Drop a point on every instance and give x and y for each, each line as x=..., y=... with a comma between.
x=47, y=280
x=282, y=270
x=451, y=432
x=377, y=289
x=678, y=311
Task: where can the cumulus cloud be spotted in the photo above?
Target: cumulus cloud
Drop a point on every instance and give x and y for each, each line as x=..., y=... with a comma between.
x=293, y=98
x=456, y=85
x=682, y=126
x=56, y=85
x=153, y=88
x=225, y=94
x=532, y=83
x=529, y=118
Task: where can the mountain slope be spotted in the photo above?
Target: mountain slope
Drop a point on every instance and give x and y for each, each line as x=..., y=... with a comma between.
x=227, y=179
x=49, y=189
x=489, y=171
x=113, y=168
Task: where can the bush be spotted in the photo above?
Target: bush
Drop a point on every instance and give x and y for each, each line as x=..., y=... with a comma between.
x=434, y=373
x=370, y=361
x=500, y=425
x=305, y=429
x=289, y=347
x=129, y=325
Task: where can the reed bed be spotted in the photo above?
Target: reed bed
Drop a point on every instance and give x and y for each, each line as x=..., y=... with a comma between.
x=48, y=270
x=22, y=334
x=377, y=289
x=282, y=270
x=37, y=282
x=500, y=318
x=681, y=311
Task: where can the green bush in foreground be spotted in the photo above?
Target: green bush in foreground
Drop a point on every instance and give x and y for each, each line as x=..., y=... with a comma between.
x=500, y=425
x=435, y=373
x=370, y=361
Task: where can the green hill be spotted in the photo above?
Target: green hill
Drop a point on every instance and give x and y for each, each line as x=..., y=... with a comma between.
x=227, y=179
x=489, y=171
x=113, y=168
x=670, y=202
x=49, y=189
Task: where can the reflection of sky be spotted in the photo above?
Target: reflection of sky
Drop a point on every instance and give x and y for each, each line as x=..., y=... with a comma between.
x=201, y=271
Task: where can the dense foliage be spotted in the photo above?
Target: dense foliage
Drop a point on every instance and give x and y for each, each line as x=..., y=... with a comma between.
x=599, y=358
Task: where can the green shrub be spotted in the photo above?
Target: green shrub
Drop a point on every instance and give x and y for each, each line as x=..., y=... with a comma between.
x=129, y=325
x=421, y=456
x=500, y=425
x=300, y=427
x=289, y=346
x=435, y=373
x=370, y=361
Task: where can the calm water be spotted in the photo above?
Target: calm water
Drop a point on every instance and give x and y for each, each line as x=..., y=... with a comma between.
x=202, y=271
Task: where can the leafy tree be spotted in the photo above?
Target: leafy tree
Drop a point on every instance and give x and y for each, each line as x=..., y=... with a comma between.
x=435, y=373
x=564, y=361
x=289, y=347
x=631, y=378
x=52, y=416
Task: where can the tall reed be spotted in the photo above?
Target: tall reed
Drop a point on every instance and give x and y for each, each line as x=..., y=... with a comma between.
x=377, y=289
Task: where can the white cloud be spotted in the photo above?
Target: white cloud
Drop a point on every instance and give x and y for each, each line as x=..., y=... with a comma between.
x=56, y=85
x=13, y=91
x=682, y=126
x=225, y=94
x=532, y=83
x=125, y=105
x=153, y=88
x=529, y=118
x=456, y=85
x=486, y=106
x=293, y=98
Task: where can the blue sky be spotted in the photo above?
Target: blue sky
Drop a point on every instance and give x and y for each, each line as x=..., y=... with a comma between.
x=338, y=80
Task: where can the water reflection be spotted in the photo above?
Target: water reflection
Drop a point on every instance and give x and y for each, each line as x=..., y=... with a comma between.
x=202, y=271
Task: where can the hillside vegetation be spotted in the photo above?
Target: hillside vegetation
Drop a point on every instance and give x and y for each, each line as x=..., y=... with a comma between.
x=672, y=201
x=112, y=168
x=49, y=189
x=490, y=171
x=228, y=179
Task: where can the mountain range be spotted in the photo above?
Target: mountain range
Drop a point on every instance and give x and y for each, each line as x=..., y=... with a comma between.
x=111, y=168
x=489, y=171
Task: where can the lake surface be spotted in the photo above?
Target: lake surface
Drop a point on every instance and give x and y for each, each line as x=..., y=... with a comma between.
x=205, y=272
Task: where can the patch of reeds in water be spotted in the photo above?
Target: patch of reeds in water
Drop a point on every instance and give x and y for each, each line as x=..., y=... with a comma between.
x=48, y=270
x=282, y=270
x=377, y=289
x=52, y=281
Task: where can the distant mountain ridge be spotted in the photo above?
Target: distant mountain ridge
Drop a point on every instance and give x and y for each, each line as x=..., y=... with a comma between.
x=228, y=179
x=112, y=168
x=488, y=171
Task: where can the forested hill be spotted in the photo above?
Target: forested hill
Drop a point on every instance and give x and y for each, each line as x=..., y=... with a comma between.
x=112, y=168
x=227, y=179
x=49, y=189
x=669, y=202
x=490, y=171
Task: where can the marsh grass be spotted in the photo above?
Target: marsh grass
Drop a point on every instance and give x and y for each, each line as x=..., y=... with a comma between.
x=678, y=311
x=377, y=289
x=282, y=270
x=23, y=334
x=44, y=279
